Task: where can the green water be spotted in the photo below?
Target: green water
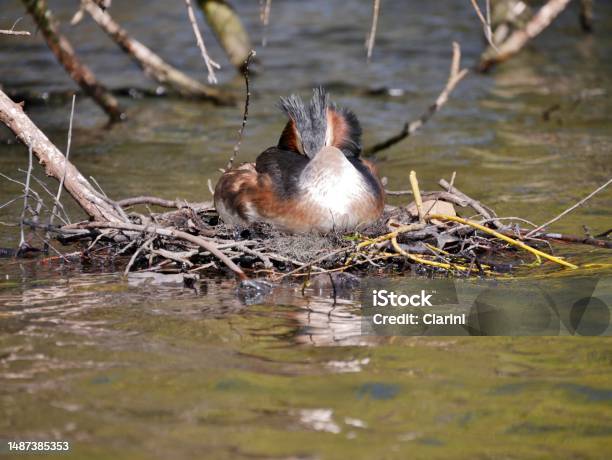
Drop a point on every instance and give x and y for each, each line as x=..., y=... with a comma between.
x=129, y=371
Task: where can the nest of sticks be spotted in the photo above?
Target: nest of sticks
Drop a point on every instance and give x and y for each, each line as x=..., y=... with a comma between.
x=427, y=236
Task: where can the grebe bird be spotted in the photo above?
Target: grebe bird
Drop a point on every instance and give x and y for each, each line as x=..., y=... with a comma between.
x=312, y=181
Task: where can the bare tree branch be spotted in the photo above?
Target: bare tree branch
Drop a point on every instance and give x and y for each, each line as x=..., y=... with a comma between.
x=55, y=163
x=64, y=52
x=519, y=38
x=210, y=64
x=153, y=65
x=455, y=76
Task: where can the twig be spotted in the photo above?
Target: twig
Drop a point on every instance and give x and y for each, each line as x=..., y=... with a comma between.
x=414, y=183
x=151, y=63
x=264, y=16
x=519, y=38
x=12, y=30
x=210, y=64
x=503, y=237
x=173, y=233
x=160, y=202
x=474, y=204
x=455, y=76
x=68, y=144
x=566, y=239
x=486, y=21
x=246, y=110
x=372, y=35
x=570, y=209
x=65, y=54
x=22, y=241
x=141, y=248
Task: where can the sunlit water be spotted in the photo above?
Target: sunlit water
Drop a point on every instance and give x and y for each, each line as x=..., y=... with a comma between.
x=126, y=370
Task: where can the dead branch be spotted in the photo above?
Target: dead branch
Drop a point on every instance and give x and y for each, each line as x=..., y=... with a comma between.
x=246, y=110
x=455, y=76
x=64, y=52
x=519, y=38
x=564, y=237
x=12, y=30
x=161, y=202
x=474, y=204
x=171, y=233
x=210, y=64
x=55, y=163
x=372, y=35
x=570, y=209
x=486, y=21
x=228, y=29
x=153, y=65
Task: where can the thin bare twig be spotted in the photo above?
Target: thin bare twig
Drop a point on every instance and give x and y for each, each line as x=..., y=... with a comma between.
x=172, y=233
x=26, y=195
x=455, y=76
x=68, y=144
x=264, y=16
x=570, y=209
x=245, y=115
x=486, y=21
x=372, y=35
x=210, y=64
x=12, y=30
x=519, y=38
x=414, y=183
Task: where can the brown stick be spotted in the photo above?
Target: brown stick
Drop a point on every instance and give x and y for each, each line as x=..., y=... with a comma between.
x=153, y=65
x=519, y=38
x=63, y=51
x=455, y=76
x=54, y=162
x=160, y=202
x=171, y=233
x=245, y=115
x=565, y=238
x=474, y=204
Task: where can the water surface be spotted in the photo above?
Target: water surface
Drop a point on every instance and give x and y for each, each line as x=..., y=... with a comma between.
x=134, y=371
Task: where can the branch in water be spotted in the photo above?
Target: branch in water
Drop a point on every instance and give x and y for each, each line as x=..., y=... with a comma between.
x=210, y=64
x=455, y=76
x=56, y=165
x=153, y=65
x=519, y=38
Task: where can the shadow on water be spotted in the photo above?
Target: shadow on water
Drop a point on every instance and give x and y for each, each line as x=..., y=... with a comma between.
x=162, y=371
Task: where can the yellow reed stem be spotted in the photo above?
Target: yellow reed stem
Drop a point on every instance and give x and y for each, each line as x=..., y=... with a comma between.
x=505, y=238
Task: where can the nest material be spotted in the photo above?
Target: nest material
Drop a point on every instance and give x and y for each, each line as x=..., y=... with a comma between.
x=425, y=236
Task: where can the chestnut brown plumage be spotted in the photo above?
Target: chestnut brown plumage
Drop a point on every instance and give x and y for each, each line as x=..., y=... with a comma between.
x=313, y=180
